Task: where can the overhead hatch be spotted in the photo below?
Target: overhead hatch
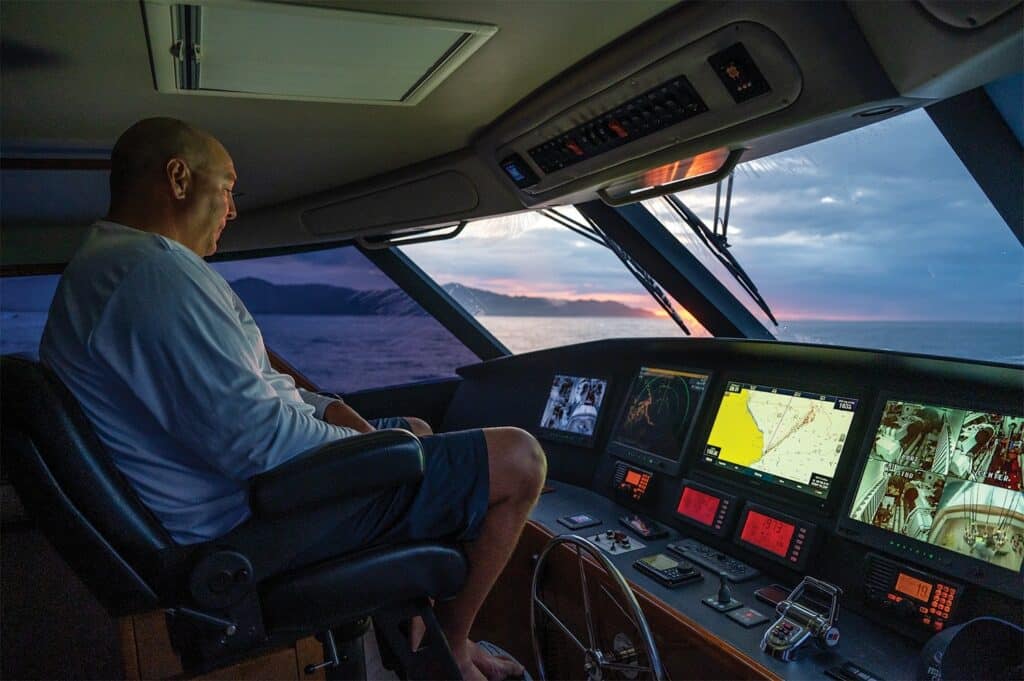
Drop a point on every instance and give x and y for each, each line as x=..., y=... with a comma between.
x=277, y=51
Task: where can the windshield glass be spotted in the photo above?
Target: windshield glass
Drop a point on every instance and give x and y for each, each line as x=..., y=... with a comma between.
x=535, y=283
x=876, y=238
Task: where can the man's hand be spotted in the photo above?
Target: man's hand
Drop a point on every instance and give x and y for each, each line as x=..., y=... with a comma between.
x=340, y=414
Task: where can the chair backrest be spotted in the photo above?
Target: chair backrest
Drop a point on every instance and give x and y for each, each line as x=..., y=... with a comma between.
x=69, y=484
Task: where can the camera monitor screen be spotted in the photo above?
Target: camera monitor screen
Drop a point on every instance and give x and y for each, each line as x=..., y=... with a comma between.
x=948, y=477
x=660, y=409
x=790, y=438
x=573, y=405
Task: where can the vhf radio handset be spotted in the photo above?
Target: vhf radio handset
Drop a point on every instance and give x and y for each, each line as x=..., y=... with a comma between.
x=802, y=617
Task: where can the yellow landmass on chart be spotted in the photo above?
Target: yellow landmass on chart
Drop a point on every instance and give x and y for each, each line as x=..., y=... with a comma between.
x=735, y=432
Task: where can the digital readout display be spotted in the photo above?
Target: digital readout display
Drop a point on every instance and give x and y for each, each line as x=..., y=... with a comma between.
x=698, y=506
x=768, y=533
x=634, y=478
x=660, y=562
x=913, y=587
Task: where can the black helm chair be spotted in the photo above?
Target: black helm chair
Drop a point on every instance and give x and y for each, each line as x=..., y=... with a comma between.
x=223, y=604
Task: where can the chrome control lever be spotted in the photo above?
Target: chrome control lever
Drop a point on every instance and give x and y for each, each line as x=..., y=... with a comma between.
x=801, y=619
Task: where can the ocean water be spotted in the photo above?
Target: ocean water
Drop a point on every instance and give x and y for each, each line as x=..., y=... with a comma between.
x=344, y=354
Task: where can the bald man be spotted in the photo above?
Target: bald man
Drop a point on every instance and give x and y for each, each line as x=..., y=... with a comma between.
x=171, y=370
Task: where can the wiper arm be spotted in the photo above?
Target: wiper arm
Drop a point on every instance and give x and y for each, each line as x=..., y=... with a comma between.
x=591, y=231
x=717, y=244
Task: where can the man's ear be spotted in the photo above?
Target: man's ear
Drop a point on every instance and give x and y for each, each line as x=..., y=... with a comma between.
x=179, y=177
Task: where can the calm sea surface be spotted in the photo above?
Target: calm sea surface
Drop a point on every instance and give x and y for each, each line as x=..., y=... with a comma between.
x=350, y=353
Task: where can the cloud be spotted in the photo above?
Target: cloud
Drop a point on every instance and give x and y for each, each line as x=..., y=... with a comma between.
x=881, y=222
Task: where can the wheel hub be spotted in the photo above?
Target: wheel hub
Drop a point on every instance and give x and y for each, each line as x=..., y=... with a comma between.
x=592, y=661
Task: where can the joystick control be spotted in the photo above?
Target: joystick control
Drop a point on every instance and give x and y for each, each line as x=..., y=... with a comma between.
x=724, y=592
x=723, y=600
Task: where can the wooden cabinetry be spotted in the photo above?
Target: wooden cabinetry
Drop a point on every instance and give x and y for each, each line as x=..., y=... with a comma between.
x=147, y=654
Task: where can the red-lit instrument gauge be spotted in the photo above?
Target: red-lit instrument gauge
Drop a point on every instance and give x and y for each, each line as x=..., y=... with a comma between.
x=705, y=507
x=775, y=535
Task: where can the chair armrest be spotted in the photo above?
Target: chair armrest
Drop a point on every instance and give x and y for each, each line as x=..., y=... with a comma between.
x=349, y=467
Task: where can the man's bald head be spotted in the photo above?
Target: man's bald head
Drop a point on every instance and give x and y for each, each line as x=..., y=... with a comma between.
x=171, y=178
x=143, y=150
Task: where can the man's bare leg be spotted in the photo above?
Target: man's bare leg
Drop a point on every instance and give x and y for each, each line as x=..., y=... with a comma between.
x=419, y=426
x=517, y=472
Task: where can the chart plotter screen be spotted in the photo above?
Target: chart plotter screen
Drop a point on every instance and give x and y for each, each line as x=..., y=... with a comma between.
x=789, y=438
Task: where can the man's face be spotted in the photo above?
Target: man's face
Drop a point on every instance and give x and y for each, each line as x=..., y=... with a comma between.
x=212, y=203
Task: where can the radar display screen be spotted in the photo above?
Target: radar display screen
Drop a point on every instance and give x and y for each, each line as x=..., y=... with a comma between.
x=790, y=438
x=660, y=409
x=948, y=477
x=574, y=403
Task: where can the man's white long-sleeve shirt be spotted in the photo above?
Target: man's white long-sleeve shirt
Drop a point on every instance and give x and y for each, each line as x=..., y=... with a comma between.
x=172, y=372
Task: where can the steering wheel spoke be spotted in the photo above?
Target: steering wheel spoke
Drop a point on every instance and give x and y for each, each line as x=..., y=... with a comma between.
x=565, y=630
x=643, y=656
x=588, y=613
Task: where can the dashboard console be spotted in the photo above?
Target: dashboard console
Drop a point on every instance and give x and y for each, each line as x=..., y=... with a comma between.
x=895, y=477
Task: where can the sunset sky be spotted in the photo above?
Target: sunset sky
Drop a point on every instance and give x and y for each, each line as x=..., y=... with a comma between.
x=881, y=223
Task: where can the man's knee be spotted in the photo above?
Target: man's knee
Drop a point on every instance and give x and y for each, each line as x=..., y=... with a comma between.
x=517, y=460
x=419, y=426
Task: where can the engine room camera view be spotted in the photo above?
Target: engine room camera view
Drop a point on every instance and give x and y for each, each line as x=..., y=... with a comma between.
x=948, y=477
x=574, y=405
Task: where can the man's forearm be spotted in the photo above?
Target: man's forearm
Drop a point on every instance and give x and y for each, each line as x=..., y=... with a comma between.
x=340, y=414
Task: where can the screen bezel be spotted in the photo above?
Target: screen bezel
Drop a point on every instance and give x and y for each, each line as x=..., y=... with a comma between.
x=556, y=435
x=969, y=569
x=659, y=462
x=770, y=489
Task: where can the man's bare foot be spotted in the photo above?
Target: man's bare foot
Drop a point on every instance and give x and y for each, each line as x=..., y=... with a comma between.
x=464, y=661
x=493, y=667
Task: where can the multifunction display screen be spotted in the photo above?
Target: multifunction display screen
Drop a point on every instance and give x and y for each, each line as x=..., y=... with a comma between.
x=948, y=477
x=660, y=409
x=790, y=438
x=573, y=405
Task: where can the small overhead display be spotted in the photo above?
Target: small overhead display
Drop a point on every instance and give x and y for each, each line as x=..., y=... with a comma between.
x=659, y=413
x=572, y=409
x=947, y=477
x=790, y=438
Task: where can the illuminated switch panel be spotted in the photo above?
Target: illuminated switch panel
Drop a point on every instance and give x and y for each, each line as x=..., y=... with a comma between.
x=660, y=107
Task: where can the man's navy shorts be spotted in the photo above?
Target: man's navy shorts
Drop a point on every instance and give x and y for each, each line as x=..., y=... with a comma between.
x=448, y=504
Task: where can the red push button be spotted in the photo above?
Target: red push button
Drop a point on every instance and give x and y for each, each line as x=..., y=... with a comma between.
x=617, y=128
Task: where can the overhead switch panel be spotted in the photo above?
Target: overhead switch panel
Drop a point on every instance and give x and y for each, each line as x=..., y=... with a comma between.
x=643, y=117
x=656, y=109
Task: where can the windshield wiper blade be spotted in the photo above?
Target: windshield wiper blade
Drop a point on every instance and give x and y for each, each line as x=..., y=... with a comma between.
x=717, y=244
x=591, y=231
